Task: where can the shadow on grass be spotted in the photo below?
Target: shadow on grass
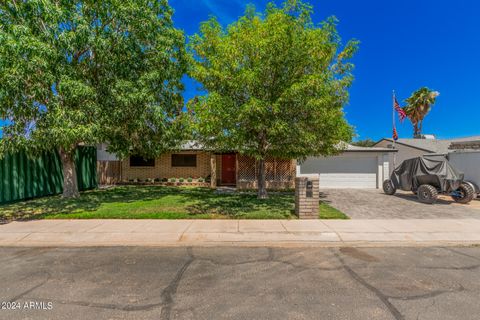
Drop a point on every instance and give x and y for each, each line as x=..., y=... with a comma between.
x=323, y=196
x=239, y=205
x=192, y=201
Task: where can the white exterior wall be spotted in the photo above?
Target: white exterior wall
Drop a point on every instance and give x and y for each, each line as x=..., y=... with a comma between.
x=103, y=155
x=348, y=170
x=404, y=153
x=468, y=163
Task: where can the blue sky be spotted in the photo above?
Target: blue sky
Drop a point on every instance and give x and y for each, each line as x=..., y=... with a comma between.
x=404, y=45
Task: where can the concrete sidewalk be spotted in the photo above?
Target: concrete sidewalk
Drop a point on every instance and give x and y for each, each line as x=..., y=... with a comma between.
x=80, y=233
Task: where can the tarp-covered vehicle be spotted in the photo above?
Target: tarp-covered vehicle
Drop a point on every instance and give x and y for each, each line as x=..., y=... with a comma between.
x=428, y=177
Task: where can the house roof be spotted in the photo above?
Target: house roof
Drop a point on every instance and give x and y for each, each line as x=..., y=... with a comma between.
x=464, y=145
x=197, y=146
x=191, y=145
x=352, y=148
x=430, y=145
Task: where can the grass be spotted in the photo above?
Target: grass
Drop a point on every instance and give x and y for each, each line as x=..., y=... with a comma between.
x=159, y=202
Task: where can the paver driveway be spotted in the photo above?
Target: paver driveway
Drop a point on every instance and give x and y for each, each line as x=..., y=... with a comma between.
x=374, y=204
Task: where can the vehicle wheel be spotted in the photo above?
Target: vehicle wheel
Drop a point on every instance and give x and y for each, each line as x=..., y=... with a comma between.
x=389, y=188
x=464, y=194
x=476, y=191
x=427, y=194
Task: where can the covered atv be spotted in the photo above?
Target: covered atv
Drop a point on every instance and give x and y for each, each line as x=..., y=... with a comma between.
x=427, y=177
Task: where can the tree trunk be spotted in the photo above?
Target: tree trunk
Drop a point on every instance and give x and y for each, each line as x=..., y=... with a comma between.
x=416, y=131
x=70, y=183
x=262, y=190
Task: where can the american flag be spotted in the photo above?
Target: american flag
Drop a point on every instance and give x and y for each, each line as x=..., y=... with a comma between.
x=395, y=134
x=401, y=112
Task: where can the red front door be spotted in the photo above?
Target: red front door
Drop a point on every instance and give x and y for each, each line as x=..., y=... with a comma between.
x=229, y=174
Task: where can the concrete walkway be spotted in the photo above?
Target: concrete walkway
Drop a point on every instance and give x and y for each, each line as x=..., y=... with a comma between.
x=80, y=233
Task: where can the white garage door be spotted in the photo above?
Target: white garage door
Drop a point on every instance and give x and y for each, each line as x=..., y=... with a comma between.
x=346, y=171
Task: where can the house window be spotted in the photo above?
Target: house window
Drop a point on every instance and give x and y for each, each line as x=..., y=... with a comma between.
x=184, y=160
x=139, y=161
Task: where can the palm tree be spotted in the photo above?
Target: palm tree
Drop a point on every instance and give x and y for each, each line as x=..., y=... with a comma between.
x=418, y=106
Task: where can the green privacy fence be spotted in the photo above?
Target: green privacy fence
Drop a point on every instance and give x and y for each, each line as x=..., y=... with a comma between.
x=23, y=176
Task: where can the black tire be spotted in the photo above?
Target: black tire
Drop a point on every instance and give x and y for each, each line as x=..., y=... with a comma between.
x=388, y=187
x=427, y=194
x=464, y=194
x=476, y=192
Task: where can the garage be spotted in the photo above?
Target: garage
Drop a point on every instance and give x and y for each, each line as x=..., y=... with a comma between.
x=357, y=167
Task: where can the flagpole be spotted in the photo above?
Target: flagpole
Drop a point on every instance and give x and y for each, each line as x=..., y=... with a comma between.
x=393, y=126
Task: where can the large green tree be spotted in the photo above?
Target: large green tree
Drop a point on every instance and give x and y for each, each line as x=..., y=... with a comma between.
x=275, y=83
x=84, y=71
x=418, y=106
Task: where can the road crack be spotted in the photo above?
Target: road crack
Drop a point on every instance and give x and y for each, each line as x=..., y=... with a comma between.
x=168, y=294
x=383, y=298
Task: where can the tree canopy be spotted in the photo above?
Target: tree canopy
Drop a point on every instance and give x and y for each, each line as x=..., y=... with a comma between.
x=276, y=84
x=364, y=143
x=86, y=71
x=418, y=106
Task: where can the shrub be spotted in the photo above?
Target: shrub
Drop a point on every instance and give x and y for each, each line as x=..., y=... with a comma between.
x=200, y=180
x=157, y=179
x=189, y=179
x=173, y=179
x=180, y=180
x=164, y=180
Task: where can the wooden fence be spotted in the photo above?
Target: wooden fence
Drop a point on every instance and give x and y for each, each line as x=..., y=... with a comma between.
x=109, y=172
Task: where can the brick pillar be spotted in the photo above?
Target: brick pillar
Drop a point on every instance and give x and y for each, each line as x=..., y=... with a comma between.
x=213, y=171
x=307, y=197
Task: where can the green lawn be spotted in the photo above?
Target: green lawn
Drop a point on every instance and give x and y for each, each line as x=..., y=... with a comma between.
x=158, y=202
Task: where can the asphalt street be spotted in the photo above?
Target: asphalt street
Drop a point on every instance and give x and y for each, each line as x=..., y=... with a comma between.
x=240, y=283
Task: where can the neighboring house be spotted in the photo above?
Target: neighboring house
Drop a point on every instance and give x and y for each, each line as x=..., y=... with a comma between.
x=465, y=156
x=193, y=161
x=356, y=167
x=103, y=154
x=412, y=148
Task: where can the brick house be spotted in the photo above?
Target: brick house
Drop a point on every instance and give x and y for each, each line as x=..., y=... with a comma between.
x=192, y=161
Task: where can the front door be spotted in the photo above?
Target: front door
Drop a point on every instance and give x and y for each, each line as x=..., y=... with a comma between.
x=229, y=175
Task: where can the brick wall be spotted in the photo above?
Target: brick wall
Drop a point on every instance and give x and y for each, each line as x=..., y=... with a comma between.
x=307, y=205
x=163, y=168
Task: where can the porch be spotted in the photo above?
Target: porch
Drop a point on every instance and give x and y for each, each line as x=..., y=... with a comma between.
x=240, y=171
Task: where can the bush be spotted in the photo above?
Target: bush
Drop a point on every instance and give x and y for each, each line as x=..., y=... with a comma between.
x=164, y=180
x=157, y=179
x=180, y=180
x=173, y=179
x=189, y=179
x=200, y=180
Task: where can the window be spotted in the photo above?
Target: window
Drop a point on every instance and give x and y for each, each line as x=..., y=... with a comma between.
x=184, y=160
x=138, y=161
